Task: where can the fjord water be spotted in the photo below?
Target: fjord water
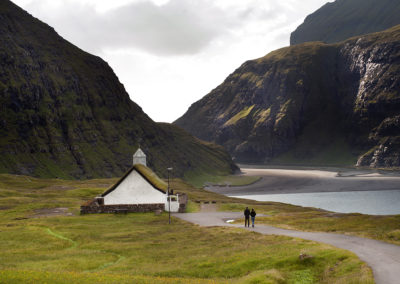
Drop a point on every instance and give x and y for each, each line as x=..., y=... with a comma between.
x=383, y=202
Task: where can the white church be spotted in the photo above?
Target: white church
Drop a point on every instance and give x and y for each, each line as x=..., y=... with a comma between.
x=138, y=190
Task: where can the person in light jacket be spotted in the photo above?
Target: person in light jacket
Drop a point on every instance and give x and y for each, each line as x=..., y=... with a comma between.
x=253, y=216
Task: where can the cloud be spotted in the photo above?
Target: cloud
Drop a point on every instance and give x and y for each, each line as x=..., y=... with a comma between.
x=177, y=27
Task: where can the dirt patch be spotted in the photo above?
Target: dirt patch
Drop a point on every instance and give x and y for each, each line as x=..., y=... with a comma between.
x=50, y=212
x=105, y=185
x=60, y=187
x=208, y=207
x=5, y=207
x=335, y=215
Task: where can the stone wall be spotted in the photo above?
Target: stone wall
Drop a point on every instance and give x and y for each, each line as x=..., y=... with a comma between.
x=183, y=199
x=97, y=206
x=94, y=207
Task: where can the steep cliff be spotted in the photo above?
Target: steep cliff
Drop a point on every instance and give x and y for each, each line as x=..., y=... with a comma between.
x=343, y=19
x=64, y=113
x=311, y=103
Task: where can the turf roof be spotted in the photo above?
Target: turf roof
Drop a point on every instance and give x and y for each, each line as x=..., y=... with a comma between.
x=146, y=173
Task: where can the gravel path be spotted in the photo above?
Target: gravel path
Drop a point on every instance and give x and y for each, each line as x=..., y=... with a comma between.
x=383, y=258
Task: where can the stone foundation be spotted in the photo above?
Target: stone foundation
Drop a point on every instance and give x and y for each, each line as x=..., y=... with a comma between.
x=93, y=207
x=96, y=206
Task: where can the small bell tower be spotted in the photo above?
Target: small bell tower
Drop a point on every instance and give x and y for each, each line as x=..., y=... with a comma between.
x=139, y=157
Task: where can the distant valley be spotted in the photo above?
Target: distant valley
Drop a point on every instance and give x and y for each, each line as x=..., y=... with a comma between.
x=65, y=114
x=312, y=103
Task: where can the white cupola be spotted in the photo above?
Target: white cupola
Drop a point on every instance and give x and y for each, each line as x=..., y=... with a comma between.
x=139, y=157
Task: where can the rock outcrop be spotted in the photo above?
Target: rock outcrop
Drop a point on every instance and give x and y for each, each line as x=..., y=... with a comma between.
x=65, y=114
x=311, y=103
x=342, y=19
x=386, y=152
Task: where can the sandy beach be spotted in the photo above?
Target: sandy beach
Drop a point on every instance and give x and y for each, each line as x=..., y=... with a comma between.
x=283, y=181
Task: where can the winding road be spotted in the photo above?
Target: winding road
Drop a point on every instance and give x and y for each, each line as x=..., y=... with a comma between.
x=383, y=258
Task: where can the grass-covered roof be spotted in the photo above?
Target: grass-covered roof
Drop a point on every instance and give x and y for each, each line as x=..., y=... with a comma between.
x=147, y=174
x=151, y=177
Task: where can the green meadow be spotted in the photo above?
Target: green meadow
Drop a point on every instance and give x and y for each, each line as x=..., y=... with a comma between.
x=39, y=246
x=382, y=228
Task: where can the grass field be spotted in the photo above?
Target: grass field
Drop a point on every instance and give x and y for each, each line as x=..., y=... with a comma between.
x=383, y=228
x=142, y=247
x=200, y=180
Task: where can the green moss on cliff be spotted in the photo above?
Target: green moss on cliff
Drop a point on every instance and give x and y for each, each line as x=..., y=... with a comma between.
x=335, y=153
x=240, y=115
x=262, y=115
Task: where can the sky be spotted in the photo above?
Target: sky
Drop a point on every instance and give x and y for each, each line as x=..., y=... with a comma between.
x=171, y=53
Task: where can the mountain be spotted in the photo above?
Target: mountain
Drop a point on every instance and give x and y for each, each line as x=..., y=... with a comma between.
x=65, y=114
x=342, y=19
x=312, y=103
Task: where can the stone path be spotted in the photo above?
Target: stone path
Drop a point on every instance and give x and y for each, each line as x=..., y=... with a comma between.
x=383, y=258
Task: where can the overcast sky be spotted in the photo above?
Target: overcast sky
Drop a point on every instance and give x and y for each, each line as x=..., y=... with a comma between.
x=171, y=53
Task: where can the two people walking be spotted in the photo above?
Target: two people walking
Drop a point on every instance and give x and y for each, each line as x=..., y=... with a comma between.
x=247, y=215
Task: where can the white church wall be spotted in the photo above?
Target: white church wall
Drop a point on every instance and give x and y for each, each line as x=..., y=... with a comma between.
x=134, y=189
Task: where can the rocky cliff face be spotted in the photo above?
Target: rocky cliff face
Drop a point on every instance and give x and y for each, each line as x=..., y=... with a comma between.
x=64, y=113
x=311, y=103
x=342, y=19
x=386, y=150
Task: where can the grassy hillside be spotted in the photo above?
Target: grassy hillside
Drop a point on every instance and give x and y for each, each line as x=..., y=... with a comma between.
x=342, y=19
x=40, y=245
x=64, y=112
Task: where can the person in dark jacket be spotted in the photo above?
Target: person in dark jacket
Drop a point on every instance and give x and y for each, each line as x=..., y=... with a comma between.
x=253, y=216
x=247, y=217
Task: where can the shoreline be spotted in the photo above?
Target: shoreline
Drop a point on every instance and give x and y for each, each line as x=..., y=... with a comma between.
x=311, y=180
x=338, y=169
